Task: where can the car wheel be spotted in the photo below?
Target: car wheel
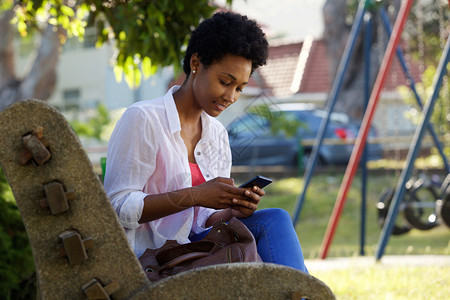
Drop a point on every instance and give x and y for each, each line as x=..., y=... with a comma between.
x=383, y=209
x=307, y=156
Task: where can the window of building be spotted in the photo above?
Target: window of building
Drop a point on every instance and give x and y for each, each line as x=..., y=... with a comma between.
x=90, y=37
x=71, y=99
x=89, y=40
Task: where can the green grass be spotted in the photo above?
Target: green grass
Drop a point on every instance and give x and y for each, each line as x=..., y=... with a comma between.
x=318, y=206
x=368, y=282
x=396, y=283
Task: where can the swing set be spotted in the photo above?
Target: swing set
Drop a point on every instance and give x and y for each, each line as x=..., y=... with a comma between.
x=404, y=187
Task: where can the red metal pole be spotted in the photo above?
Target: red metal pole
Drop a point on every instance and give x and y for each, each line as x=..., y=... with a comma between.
x=365, y=126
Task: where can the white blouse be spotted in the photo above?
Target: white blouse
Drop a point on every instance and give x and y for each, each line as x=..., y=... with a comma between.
x=146, y=155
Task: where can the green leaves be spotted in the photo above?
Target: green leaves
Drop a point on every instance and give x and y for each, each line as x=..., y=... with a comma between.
x=16, y=263
x=441, y=113
x=147, y=34
x=94, y=127
x=151, y=34
x=147, y=67
x=33, y=15
x=6, y=5
x=67, y=11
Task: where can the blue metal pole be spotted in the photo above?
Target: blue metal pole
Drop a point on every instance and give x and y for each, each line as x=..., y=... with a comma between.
x=412, y=153
x=330, y=105
x=367, y=46
x=408, y=75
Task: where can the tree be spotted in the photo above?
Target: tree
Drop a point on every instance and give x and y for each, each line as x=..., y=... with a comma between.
x=423, y=35
x=41, y=78
x=427, y=30
x=441, y=112
x=338, y=20
x=150, y=34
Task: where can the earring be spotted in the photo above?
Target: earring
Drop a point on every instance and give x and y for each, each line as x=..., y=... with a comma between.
x=193, y=71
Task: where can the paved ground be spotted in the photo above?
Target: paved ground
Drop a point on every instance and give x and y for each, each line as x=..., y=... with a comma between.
x=387, y=260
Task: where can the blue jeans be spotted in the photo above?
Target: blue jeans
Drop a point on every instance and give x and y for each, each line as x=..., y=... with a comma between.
x=275, y=237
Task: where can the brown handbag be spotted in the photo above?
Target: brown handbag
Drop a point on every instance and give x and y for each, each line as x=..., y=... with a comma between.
x=226, y=243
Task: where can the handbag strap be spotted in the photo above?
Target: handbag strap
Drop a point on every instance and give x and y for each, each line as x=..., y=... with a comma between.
x=183, y=258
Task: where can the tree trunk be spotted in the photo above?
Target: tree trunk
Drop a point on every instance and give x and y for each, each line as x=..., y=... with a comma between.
x=6, y=48
x=40, y=81
x=336, y=34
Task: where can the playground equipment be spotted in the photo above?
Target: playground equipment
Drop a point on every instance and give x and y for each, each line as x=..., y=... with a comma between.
x=419, y=206
x=357, y=153
x=400, y=227
x=443, y=204
x=413, y=151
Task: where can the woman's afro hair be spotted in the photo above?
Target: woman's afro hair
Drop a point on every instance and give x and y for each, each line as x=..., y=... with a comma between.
x=227, y=33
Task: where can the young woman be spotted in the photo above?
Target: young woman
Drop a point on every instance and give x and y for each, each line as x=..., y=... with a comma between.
x=169, y=159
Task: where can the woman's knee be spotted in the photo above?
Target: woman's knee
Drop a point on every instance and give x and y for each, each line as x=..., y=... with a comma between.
x=277, y=215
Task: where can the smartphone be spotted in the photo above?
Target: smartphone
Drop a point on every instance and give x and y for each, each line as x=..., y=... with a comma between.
x=259, y=181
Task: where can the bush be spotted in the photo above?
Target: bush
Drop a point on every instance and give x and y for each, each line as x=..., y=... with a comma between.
x=17, y=272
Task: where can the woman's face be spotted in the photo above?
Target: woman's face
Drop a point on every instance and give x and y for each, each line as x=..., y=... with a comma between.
x=220, y=85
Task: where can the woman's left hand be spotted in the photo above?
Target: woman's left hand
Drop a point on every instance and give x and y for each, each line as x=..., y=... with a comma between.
x=246, y=207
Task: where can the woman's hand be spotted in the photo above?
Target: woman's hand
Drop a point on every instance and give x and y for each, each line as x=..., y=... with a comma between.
x=217, y=193
x=241, y=208
x=245, y=208
x=220, y=193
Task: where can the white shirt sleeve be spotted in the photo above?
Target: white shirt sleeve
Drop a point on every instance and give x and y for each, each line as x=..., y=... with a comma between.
x=201, y=215
x=131, y=159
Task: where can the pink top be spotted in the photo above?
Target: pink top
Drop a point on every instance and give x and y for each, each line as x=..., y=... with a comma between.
x=197, y=176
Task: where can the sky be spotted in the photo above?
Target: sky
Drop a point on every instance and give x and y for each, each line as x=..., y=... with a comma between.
x=295, y=18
